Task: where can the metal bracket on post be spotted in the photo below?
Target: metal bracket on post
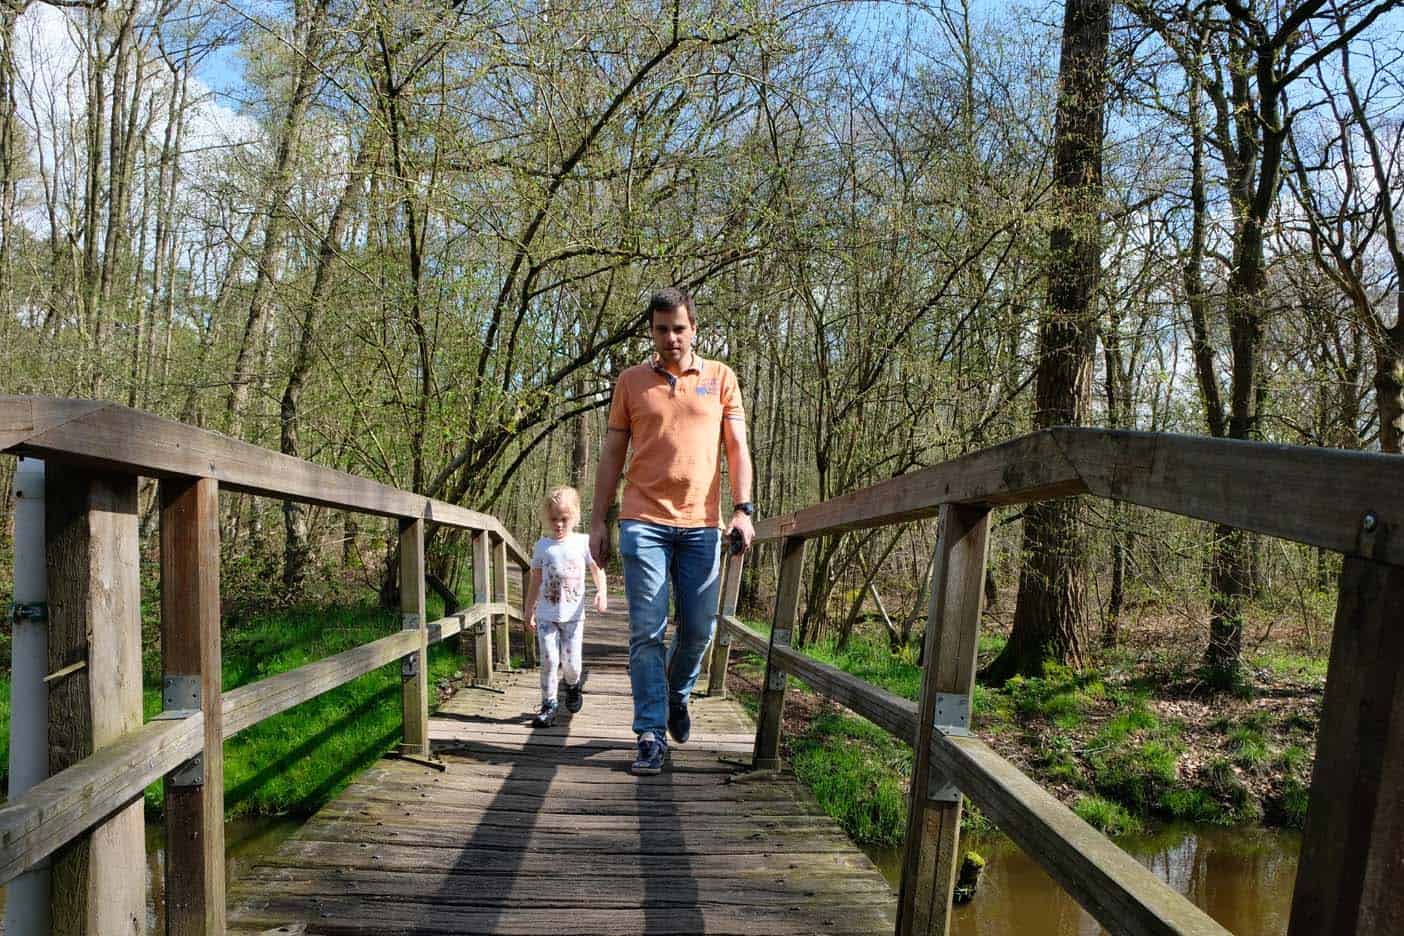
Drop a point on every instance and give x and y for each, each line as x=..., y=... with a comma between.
x=181, y=697
x=775, y=676
x=409, y=621
x=409, y=665
x=951, y=718
x=29, y=613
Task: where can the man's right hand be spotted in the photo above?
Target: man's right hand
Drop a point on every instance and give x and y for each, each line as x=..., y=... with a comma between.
x=599, y=543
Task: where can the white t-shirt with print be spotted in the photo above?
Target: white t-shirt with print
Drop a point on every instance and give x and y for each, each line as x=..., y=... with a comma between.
x=562, y=564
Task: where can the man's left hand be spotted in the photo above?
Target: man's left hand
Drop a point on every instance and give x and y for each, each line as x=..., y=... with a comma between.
x=741, y=522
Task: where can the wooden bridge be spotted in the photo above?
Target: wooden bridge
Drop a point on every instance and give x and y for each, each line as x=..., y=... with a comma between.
x=484, y=845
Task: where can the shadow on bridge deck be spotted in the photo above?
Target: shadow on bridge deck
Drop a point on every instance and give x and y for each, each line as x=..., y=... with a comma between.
x=545, y=831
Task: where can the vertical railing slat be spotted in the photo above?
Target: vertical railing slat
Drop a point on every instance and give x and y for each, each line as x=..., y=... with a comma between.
x=721, y=639
x=952, y=631
x=1353, y=846
x=190, y=653
x=772, y=705
x=482, y=594
x=414, y=669
x=502, y=639
x=98, y=881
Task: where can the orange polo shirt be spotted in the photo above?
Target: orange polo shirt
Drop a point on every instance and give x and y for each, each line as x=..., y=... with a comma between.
x=674, y=426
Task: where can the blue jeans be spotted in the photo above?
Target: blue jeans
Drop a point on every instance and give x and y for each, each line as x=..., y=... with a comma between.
x=652, y=555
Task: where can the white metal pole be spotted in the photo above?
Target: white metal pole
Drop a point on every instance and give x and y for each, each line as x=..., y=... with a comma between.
x=27, y=896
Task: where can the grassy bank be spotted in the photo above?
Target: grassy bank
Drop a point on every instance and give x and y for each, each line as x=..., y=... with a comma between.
x=1122, y=742
x=296, y=761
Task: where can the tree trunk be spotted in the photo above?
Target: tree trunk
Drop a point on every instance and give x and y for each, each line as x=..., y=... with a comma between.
x=1389, y=387
x=1051, y=584
x=275, y=211
x=296, y=550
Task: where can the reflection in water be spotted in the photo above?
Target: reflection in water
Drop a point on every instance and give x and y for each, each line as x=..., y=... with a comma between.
x=1241, y=877
x=245, y=841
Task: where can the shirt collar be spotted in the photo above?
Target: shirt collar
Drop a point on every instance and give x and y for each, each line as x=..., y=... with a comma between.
x=694, y=366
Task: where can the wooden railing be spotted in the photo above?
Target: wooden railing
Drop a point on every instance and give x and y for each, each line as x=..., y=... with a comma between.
x=87, y=816
x=1352, y=857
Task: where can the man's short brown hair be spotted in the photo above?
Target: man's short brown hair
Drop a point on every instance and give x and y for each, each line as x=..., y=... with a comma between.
x=666, y=300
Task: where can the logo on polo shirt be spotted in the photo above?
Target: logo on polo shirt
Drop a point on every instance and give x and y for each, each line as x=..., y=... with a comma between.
x=708, y=387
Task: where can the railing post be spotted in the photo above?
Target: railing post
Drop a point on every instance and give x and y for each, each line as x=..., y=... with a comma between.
x=772, y=704
x=98, y=879
x=952, y=631
x=503, y=629
x=191, y=679
x=414, y=669
x=721, y=638
x=528, y=639
x=1353, y=845
x=482, y=594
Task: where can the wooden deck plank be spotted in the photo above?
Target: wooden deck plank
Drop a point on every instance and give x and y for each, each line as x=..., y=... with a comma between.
x=532, y=831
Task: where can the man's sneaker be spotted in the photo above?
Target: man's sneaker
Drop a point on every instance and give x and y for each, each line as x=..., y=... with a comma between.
x=650, y=757
x=547, y=716
x=572, y=696
x=679, y=722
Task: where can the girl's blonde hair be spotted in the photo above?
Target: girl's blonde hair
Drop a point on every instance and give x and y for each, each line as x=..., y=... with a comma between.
x=564, y=498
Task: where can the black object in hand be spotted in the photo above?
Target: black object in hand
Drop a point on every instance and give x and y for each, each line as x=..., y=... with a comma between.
x=737, y=542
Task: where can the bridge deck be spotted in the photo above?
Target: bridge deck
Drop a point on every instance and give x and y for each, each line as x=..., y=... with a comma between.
x=546, y=831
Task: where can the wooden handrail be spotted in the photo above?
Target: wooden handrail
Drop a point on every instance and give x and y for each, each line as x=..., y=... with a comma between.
x=114, y=436
x=1320, y=497
x=1118, y=890
x=52, y=813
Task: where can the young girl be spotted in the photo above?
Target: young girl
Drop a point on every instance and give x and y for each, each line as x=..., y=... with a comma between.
x=555, y=599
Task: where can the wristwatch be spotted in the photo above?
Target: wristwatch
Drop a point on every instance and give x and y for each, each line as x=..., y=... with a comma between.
x=747, y=508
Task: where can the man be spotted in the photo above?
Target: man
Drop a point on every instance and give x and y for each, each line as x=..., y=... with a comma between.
x=676, y=410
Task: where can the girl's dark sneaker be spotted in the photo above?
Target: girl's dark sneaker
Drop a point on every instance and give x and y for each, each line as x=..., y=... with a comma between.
x=547, y=716
x=572, y=696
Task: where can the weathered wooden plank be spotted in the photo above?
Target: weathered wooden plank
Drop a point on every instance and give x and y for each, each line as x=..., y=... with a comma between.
x=1118, y=890
x=772, y=701
x=952, y=635
x=721, y=639
x=57, y=810
x=94, y=586
x=1111, y=885
x=482, y=595
x=414, y=668
x=190, y=649
x=502, y=641
x=113, y=436
x=1029, y=468
x=251, y=704
x=1309, y=495
x=1353, y=847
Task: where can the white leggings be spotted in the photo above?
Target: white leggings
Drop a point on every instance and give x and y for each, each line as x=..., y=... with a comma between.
x=559, y=642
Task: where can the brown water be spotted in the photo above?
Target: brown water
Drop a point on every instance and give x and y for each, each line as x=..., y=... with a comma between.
x=245, y=841
x=1241, y=877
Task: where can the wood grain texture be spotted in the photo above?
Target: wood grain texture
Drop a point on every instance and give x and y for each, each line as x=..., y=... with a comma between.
x=772, y=700
x=95, y=617
x=546, y=831
x=1352, y=857
x=116, y=437
x=414, y=686
x=1111, y=885
x=952, y=637
x=190, y=647
x=482, y=595
x=59, y=809
x=721, y=639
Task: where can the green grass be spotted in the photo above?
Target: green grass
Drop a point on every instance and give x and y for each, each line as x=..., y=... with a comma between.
x=298, y=760
x=1291, y=665
x=855, y=771
x=1105, y=816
